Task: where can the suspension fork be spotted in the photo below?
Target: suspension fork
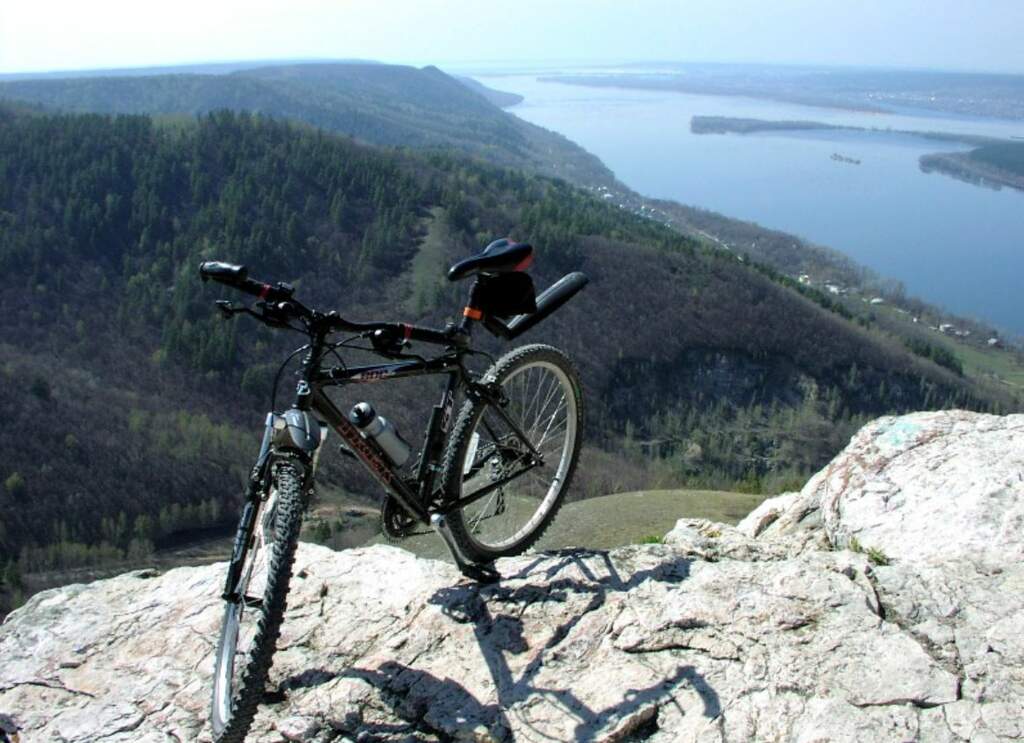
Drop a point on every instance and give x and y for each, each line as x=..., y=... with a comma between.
x=258, y=480
x=297, y=435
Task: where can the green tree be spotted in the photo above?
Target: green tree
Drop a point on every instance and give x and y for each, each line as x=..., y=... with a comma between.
x=15, y=485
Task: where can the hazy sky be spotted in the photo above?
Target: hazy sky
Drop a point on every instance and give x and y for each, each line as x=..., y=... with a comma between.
x=40, y=35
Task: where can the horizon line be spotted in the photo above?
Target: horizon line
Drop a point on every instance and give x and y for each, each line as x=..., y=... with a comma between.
x=492, y=62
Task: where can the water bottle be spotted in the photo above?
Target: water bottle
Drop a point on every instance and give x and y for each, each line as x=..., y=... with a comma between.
x=381, y=430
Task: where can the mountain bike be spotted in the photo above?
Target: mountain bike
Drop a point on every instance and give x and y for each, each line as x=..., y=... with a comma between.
x=488, y=481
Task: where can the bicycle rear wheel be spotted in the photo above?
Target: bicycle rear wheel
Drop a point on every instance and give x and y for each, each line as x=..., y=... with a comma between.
x=518, y=492
x=252, y=624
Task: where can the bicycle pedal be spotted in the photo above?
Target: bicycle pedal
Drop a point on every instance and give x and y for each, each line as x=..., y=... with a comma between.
x=485, y=574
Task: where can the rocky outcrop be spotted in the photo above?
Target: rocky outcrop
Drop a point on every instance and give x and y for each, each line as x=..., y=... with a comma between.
x=772, y=630
x=927, y=487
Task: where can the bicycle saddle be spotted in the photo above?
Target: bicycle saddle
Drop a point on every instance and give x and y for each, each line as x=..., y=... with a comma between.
x=501, y=256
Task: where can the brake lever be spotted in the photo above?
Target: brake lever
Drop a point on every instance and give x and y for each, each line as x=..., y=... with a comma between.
x=229, y=309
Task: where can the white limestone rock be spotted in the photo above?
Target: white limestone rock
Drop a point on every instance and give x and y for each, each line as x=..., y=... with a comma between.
x=757, y=632
x=924, y=487
x=642, y=641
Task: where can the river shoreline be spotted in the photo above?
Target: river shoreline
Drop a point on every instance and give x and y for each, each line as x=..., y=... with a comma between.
x=864, y=91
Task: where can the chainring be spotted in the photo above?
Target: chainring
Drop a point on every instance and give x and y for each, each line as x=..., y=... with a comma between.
x=395, y=523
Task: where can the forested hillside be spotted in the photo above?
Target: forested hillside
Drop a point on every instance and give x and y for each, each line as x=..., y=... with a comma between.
x=132, y=411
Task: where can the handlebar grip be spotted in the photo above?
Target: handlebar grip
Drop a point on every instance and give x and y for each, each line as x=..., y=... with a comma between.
x=237, y=277
x=225, y=273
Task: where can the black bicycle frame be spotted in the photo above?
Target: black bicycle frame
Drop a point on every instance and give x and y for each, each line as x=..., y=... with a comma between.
x=366, y=449
x=295, y=433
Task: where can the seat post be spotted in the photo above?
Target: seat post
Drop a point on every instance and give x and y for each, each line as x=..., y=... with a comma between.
x=470, y=313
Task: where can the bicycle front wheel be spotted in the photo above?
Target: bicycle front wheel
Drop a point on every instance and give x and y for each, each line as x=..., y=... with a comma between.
x=512, y=463
x=252, y=621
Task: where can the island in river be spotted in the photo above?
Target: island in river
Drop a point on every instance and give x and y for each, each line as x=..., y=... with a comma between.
x=735, y=125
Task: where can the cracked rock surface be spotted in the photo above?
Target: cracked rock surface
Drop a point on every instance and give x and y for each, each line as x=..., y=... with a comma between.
x=920, y=487
x=771, y=630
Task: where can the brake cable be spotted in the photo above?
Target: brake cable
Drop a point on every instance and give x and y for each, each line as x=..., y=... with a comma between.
x=277, y=377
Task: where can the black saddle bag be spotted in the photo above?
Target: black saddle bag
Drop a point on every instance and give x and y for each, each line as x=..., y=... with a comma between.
x=505, y=294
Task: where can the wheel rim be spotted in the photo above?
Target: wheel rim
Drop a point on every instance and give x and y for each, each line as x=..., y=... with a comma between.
x=542, y=404
x=241, y=618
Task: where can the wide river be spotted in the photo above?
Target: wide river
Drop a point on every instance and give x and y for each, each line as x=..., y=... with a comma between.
x=954, y=244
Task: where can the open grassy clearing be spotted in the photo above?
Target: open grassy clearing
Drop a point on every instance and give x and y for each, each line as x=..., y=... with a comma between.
x=987, y=364
x=1002, y=365
x=596, y=523
x=614, y=520
x=428, y=264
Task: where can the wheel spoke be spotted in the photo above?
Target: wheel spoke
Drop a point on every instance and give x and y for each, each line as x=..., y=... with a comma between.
x=541, y=403
x=555, y=389
x=548, y=430
x=483, y=510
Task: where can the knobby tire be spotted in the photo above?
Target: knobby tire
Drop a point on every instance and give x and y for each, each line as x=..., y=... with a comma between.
x=246, y=699
x=469, y=422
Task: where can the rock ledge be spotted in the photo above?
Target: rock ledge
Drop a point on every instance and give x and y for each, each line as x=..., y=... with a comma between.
x=771, y=630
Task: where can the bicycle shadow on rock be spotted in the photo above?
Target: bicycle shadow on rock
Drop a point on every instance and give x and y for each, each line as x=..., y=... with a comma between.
x=535, y=694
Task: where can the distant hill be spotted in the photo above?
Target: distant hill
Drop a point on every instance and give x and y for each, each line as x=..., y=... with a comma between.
x=198, y=68
x=381, y=104
x=965, y=93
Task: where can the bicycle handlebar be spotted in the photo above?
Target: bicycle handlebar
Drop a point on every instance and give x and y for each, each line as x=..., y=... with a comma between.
x=237, y=277
x=279, y=297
